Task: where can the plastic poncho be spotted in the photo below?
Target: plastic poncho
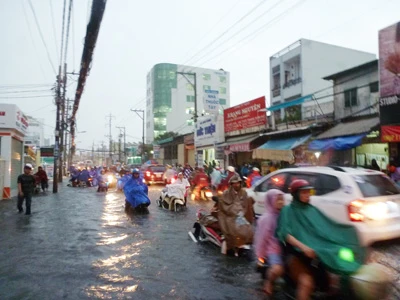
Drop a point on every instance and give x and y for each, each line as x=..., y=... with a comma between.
x=136, y=192
x=123, y=180
x=336, y=245
x=265, y=242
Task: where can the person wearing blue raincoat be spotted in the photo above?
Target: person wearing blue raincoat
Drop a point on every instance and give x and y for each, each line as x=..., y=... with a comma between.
x=136, y=191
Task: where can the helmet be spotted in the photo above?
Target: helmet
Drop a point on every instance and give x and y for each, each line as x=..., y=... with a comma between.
x=300, y=184
x=231, y=169
x=235, y=179
x=28, y=166
x=135, y=171
x=256, y=169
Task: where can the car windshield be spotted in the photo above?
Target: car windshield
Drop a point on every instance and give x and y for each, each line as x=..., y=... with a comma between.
x=157, y=169
x=376, y=185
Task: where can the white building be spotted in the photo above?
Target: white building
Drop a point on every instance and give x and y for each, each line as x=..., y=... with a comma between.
x=13, y=127
x=35, y=135
x=296, y=74
x=171, y=98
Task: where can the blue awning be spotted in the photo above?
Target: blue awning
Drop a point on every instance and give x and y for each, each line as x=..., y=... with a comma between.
x=289, y=103
x=338, y=143
x=285, y=144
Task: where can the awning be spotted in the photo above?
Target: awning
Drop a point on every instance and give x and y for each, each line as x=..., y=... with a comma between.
x=280, y=149
x=289, y=103
x=344, y=135
x=240, y=143
x=351, y=128
x=339, y=143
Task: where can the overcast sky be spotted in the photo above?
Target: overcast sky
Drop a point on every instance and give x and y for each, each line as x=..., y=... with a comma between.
x=135, y=35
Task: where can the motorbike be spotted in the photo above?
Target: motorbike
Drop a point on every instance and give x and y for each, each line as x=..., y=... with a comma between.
x=173, y=197
x=103, y=186
x=370, y=282
x=205, y=194
x=206, y=229
x=137, y=200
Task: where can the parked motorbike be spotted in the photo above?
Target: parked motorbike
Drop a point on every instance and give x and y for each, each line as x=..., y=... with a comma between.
x=370, y=282
x=206, y=229
x=173, y=197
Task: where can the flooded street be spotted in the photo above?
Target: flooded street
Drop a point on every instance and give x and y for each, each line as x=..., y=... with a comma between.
x=79, y=244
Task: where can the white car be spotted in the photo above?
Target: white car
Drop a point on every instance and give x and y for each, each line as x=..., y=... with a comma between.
x=367, y=199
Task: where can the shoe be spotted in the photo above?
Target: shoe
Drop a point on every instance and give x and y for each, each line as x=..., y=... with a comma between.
x=27, y=213
x=20, y=211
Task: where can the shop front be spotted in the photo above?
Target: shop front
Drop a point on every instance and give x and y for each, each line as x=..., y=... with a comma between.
x=208, y=134
x=13, y=127
x=242, y=126
x=354, y=143
x=189, y=155
x=284, y=149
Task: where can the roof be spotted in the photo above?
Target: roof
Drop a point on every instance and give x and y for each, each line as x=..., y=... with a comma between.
x=350, y=128
x=353, y=69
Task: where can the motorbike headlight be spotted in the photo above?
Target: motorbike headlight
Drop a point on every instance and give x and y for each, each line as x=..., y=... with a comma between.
x=110, y=178
x=209, y=194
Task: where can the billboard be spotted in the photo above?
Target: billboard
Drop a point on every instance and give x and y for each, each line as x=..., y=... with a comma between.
x=389, y=82
x=208, y=131
x=12, y=117
x=245, y=115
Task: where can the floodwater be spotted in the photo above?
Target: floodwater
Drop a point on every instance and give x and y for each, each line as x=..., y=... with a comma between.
x=79, y=244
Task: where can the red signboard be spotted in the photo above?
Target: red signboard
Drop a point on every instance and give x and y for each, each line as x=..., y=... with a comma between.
x=245, y=115
x=390, y=134
x=242, y=147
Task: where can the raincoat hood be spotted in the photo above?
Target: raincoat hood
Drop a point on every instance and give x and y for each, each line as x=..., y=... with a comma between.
x=270, y=200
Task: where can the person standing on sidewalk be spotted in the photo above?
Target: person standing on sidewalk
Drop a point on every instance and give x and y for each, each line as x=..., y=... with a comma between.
x=26, y=185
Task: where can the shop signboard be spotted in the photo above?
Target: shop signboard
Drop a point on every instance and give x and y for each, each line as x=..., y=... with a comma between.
x=211, y=101
x=389, y=82
x=246, y=115
x=47, y=152
x=209, y=131
x=12, y=117
x=156, y=151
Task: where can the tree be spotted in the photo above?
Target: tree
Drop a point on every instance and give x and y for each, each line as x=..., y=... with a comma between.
x=166, y=135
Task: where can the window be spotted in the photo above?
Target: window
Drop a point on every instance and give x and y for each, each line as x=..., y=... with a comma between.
x=374, y=87
x=376, y=185
x=222, y=90
x=206, y=87
x=172, y=74
x=189, y=87
x=350, y=98
x=222, y=79
x=206, y=77
x=189, y=98
x=273, y=182
x=222, y=101
x=190, y=110
x=322, y=183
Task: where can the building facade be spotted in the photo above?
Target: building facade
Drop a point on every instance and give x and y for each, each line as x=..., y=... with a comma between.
x=354, y=140
x=170, y=100
x=296, y=74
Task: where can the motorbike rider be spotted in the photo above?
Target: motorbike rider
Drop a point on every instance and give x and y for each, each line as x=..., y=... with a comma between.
x=84, y=176
x=313, y=243
x=234, y=205
x=253, y=177
x=187, y=170
x=199, y=182
x=137, y=181
x=102, y=180
x=225, y=182
x=41, y=174
x=169, y=174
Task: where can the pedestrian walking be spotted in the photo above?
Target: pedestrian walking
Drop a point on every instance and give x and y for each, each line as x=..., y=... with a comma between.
x=26, y=185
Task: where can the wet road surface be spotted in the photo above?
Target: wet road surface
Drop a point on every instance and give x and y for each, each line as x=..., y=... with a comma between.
x=79, y=244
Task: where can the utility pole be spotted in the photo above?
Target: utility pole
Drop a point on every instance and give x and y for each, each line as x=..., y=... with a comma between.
x=67, y=157
x=110, y=136
x=195, y=116
x=63, y=125
x=57, y=133
x=124, y=151
x=142, y=117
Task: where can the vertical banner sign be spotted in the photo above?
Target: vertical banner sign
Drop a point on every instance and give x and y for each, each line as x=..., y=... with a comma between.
x=156, y=151
x=389, y=83
x=211, y=101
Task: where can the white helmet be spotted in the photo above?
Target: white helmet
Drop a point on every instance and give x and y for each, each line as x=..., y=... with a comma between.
x=256, y=169
x=28, y=166
x=231, y=169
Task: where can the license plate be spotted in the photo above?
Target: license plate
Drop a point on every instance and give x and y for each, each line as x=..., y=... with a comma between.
x=158, y=175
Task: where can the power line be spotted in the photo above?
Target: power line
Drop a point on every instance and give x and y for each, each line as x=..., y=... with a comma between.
x=17, y=92
x=20, y=97
x=227, y=30
x=32, y=39
x=54, y=26
x=41, y=36
x=62, y=32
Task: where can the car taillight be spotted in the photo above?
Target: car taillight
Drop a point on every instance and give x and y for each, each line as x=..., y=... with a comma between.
x=355, y=211
x=148, y=173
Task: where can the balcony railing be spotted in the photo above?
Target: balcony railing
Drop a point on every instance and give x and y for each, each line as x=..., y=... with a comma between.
x=292, y=82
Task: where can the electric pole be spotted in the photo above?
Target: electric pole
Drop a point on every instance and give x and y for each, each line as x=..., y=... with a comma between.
x=124, y=151
x=57, y=133
x=110, y=136
x=142, y=117
x=63, y=125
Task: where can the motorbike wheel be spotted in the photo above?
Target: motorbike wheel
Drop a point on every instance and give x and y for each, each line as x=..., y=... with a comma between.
x=178, y=207
x=159, y=202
